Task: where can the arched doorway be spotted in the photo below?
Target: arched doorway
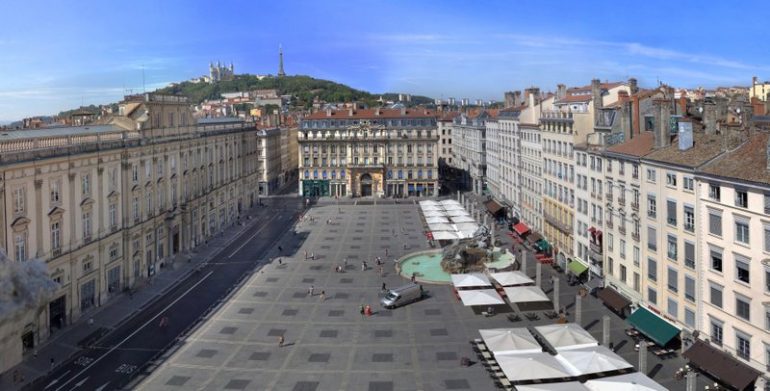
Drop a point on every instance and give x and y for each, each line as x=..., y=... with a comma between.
x=366, y=185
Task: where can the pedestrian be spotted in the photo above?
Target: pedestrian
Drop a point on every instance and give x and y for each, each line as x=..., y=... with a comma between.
x=280, y=249
x=310, y=291
x=414, y=277
x=53, y=363
x=386, y=252
x=383, y=287
x=363, y=266
x=280, y=341
x=345, y=263
x=405, y=246
x=306, y=255
x=382, y=271
x=90, y=321
x=279, y=261
x=312, y=256
x=362, y=310
x=323, y=296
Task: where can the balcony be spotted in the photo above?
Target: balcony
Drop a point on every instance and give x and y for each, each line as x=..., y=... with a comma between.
x=635, y=236
x=622, y=201
x=595, y=248
x=608, y=223
x=56, y=252
x=567, y=229
x=622, y=230
x=635, y=206
x=609, y=197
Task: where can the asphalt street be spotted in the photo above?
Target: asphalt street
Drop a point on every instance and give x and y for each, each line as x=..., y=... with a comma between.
x=128, y=348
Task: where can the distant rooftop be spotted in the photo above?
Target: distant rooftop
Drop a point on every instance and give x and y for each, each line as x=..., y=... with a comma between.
x=220, y=120
x=371, y=114
x=705, y=147
x=748, y=162
x=638, y=146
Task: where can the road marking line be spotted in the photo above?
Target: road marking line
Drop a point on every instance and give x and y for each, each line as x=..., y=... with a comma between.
x=56, y=380
x=135, y=331
x=251, y=237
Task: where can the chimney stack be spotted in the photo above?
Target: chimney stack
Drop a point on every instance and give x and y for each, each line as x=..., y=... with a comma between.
x=351, y=111
x=709, y=117
x=662, y=120
x=633, y=86
x=533, y=95
x=377, y=111
x=767, y=154
x=508, y=99
x=561, y=91
x=517, y=98
x=328, y=111
x=625, y=114
x=596, y=95
x=403, y=111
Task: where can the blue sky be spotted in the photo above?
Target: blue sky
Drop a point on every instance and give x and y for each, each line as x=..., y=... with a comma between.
x=55, y=55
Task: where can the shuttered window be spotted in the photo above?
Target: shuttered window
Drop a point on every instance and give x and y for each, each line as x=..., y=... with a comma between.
x=715, y=223
x=689, y=288
x=671, y=212
x=652, y=239
x=689, y=255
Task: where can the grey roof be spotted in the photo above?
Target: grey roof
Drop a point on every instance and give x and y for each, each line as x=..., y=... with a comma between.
x=58, y=131
x=219, y=120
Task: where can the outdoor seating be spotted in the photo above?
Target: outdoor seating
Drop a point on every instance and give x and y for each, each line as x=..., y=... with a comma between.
x=514, y=317
x=551, y=314
x=632, y=332
x=532, y=316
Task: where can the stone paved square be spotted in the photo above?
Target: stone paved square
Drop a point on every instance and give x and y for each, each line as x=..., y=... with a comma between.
x=329, y=345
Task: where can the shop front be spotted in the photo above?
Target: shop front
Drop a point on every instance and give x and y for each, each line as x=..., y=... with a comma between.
x=315, y=187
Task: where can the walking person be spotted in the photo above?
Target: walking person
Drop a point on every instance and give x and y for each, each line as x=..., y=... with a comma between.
x=361, y=310
x=386, y=252
x=312, y=256
x=323, y=296
x=281, y=340
x=306, y=255
x=310, y=291
x=414, y=277
x=53, y=363
x=280, y=249
x=382, y=271
x=384, y=289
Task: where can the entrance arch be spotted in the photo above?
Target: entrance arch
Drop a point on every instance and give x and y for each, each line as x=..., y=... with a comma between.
x=366, y=185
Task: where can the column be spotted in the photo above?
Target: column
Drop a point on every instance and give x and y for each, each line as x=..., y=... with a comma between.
x=643, y=357
x=538, y=273
x=606, y=330
x=555, y=282
x=579, y=309
x=523, y=261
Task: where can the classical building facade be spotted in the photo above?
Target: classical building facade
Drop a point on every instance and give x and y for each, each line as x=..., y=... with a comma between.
x=470, y=148
x=105, y=206
x=277, y=158
x=369, y=152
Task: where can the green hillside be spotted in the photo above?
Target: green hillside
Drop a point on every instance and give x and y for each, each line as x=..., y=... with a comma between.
x=302, y=88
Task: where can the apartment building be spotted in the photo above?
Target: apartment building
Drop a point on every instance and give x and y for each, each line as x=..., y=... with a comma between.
x=107, y=205
x=530, y=208
x=503, y=158
x=470, y=148
x=277, y=158
x=369, y=152
x=733, y=231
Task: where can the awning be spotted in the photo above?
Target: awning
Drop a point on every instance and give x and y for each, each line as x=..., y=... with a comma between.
x=510, y=341
x=577, y=268
x=520, y=228
x=721, y=366
x=593, y=359
x=543, y=245
x=493, y=207
x=472, y=297
x=613, y=299
x=634, y=381
x=567, y=336
x=525, y=294
x=511, y=278
x=470, y=280
x=534, y=237
x=653, y=326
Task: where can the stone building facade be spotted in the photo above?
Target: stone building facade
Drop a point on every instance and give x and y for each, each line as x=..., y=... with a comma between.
x=107, y=206
x=369, y=152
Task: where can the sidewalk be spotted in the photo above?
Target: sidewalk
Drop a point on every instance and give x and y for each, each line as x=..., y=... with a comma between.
x=63, y=344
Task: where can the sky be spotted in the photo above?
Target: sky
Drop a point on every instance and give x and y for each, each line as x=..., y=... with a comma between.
x=57, y=55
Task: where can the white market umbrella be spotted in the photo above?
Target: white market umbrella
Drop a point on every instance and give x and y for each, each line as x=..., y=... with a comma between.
x=565, y=386
x=462, y=219
x=525, y=294
x=511, y=278
x=456, y=213
x=593, y=359
x=437, y=220
x=441, y=227
x=445, y=235
x=532, y=366
x=449, y=202
x=429, y=202
x=429, y=208
x=635, y=381
x=566, y=336
x=470, y=280
x=433, y=213
x=510, y=341
x=453, y=207
x=473, y=297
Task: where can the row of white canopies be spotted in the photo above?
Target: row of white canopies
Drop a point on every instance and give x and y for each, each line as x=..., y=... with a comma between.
x=448, y=219
x=521, y=358
x=475, y=289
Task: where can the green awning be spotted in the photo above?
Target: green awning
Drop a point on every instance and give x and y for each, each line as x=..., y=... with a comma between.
x=543, y=245
x=653, y=326
x=577, y=268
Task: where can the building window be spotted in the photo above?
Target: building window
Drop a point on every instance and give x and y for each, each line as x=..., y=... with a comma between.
x=742, y=346
x=135, y=173
x=623, y=273
x=741, y=198
x=19, y=201
x=716, y=260
x=688, y=183
x=767, y=238
x=743, y=308
x=689, y=317
x=715, y=223
x=652, y=269
x=652, y=296
x=651, y=175
x=55, y=192
x=689, y=255
x=689, y=219
x=742, y=269
x=672, y=253
x=610, y=242
x=86, y=226
x=742, y=231
x=689, y=288
x=715, y=295
x=673, y=308
x=767, y=280
x=113, y=213
x=56, y=237
x=671, y=211
x=20, y=246
x=714, y=192
x=671, y=179
x=717, y=333
x=652, y=239
x=673, y=280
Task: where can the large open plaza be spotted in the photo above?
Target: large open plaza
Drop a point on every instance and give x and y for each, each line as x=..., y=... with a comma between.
x=328, y=344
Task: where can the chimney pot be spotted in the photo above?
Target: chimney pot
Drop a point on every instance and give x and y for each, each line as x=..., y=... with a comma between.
x=328, y=111
x=403, y=111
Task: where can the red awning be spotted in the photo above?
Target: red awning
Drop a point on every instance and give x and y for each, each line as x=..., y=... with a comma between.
x=591, y=229
x=520, y=228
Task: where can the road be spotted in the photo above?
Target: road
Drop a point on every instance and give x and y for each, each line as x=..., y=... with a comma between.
x=137, y=341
